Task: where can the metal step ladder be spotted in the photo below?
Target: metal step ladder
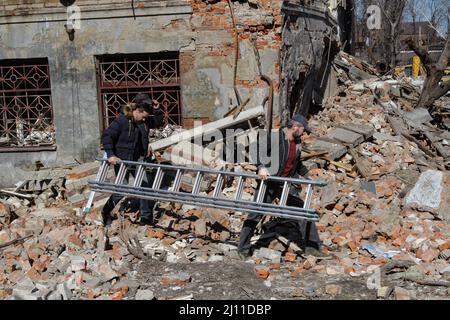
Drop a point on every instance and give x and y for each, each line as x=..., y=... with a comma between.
x=216, y=200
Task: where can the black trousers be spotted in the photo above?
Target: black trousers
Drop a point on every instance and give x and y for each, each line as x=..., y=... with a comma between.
x=145, y=206
x=307, y=229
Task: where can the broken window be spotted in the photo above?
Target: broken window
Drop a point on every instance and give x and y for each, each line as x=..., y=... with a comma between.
x=121, y=76
x=26, y=112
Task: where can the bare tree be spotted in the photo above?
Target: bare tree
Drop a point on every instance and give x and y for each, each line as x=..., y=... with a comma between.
x=437, y=13
x=434, y=12
x=412, y=12
x=361, y=30
x=393, y=12
x=383, y=47
x=361, y=10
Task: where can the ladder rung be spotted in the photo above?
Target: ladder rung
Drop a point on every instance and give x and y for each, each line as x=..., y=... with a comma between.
x=308, y=197
x=197, y=183
x=239, y=188
x=284, y=194
x=177, y=181
x=158, y=179
x=219, y=184
x=121, y=174
x=103, y=170
x=139, y=176
x=261, y=192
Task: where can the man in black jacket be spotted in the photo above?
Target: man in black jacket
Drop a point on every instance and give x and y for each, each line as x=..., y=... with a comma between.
x=289, y=165
x=127, y=139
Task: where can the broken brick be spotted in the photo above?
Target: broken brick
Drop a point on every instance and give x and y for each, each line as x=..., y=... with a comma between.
x=402, y=294
x=175, y=279
x=262, y=272
x=333, y=289
x=290, y=257
x=427, y=255
x=155, y=233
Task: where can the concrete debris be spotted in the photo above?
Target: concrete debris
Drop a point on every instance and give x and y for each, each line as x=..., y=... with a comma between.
x=345, y=136
x=266, y=253
x=366, y=131
x=208, y=129
x=333, y=289
x=403, y=294
x=334, y=150
x=167, y=131
x=417, y=117
x=144, y=295
x=186, y=153
x=384, y=292
x=181, y=278
x=427, y=191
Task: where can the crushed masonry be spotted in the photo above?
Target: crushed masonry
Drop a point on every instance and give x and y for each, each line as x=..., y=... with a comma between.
x=385, y=209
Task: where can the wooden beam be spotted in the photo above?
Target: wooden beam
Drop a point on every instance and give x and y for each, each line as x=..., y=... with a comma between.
x=363, y=170
x=207, y=128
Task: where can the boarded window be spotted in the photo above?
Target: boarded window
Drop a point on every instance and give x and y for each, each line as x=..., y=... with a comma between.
x=120, y=77
x=26, y=112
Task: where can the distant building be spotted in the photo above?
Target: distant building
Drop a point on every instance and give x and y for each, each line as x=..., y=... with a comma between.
x=424, y=35
x=420, y=31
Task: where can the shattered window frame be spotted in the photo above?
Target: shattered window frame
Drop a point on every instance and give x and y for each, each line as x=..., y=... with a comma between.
x=26, y=107
x=121, y=76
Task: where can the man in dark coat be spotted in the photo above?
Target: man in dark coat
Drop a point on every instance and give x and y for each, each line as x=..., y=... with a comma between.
x=289, y=165
x=127, y=139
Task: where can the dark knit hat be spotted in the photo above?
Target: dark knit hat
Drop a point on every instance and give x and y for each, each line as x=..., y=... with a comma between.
x=299, y=119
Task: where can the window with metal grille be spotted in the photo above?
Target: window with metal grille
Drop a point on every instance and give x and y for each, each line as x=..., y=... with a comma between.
x=26, y=112
x=121, y=76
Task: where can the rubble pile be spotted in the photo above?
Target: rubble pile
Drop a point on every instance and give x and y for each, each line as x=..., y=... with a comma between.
x=60, y=252
x=167, y=131
x=397, y=208
x=386, y=209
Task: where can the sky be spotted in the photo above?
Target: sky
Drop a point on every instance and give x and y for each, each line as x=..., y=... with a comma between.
x=424, y=12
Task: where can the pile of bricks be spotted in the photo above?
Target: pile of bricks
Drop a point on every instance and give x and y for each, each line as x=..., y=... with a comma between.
x=392, y=218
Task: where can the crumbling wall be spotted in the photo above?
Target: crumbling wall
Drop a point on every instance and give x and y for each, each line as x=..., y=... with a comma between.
x=205, y=34
x=310, y=41
x=202, y=31
x=209, y=66
x=72, y=65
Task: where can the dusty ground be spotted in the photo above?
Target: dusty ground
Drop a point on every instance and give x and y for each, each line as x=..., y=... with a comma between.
x=236, y=279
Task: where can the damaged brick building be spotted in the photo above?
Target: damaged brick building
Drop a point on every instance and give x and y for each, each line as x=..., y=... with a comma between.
x=59, y=88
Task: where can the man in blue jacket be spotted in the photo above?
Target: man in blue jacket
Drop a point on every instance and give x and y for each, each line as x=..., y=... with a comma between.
x=127, y=139
x=289, y=165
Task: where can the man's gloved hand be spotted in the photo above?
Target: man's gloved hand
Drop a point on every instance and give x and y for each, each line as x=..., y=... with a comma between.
x=151, y=156
x=149, y=153
x=263, y=173
x=113, y=160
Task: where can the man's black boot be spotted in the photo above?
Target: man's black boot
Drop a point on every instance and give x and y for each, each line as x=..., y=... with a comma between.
x=106, y=218
x=311, y=251
x=244, y=254
x=146, y=221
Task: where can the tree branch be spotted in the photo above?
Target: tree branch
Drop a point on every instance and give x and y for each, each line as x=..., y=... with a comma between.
x=440, y=91
x=422, y=53
x=6, y=244
x=445, y=56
